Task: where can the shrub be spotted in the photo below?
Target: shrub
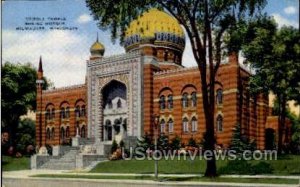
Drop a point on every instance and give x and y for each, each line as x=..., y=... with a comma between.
x=163, y=143
x=239, y=142
x=175, y=143
x=240, y=167
x=122, y=143
x=192, y=142
x=25, y=135
x=145, y=142
x=114, y=147
x=262, y=168
x=243, y=167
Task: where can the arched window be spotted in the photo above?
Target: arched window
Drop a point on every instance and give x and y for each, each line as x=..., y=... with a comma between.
x=47, y=115
x=67, y=132
x=62, y=133
x=117, y=124
x=219, y=123
x=125, y=124
x=162, y=126
x=67, y=112
x=194, y=124
x=52, y=133
x=185, y=124
x=108, y=130
x=170, y=101
x=194, y=99
x=83, y=110
x=185, y=100
x=162, y=102
x=62, y=113
x=82, y=131
x=48, y=134
x=219, y=96
x=171, y=125
x=107, y=122
x=77, y=111
x=119, y=104
x=52, y=113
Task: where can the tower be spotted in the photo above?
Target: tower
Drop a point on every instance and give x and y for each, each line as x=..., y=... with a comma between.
x=161, y=40
x=39, y=106
x=97, y=50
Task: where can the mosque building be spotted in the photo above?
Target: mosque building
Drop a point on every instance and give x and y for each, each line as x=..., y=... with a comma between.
x=123, y=92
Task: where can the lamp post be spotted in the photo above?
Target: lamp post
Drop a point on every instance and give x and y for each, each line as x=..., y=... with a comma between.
x=155, y=123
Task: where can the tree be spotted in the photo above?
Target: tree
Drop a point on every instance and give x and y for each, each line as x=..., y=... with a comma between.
x=18, y=83
x=145, y=142
x=114, y=146
x=175, y=143
x=192, y=142
x=162, y=142
x=25, y=136
x=240, y=143
x=206, y=24
x=295, y=131
x=275, y=55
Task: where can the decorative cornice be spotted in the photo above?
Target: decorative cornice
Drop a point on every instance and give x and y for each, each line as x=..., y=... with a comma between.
x=173, y=71
x=171, y=64
x=114, y=58
x=194, y=68
x=65, y=88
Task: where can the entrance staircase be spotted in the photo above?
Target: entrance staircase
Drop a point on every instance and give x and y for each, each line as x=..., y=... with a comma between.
x=64, y=162
x=68, y=157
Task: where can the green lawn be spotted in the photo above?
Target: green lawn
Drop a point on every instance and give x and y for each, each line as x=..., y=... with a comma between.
x=285, y=165
x=10, y=164
x=200, y=179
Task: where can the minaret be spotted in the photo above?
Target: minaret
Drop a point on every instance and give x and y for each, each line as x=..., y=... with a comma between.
x=97, y=50
x=39, y=106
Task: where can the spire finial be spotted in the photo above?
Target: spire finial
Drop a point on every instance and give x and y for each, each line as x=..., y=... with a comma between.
x=97, y=37
x=40, y=65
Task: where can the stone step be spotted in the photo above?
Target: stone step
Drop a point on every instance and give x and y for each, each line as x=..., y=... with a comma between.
x=59, y=164
x=67, y=161
x=61, y=161
x=58, y=167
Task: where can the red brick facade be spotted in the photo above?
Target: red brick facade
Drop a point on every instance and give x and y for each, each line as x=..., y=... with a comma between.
x=60, y=112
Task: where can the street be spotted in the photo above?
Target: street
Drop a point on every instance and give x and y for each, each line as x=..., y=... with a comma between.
x=50, y=182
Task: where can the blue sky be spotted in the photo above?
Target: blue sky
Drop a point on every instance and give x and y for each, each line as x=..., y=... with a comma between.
x=65, y=52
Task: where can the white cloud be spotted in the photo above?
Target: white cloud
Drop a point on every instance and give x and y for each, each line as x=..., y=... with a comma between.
x=84, y=18
x=281, y=21
x=290, y=10
x=64, y=53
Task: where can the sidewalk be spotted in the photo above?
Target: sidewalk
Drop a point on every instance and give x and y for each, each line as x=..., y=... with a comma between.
x=17, y=178
x=28, y=173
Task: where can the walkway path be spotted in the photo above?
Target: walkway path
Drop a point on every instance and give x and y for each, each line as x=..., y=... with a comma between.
x=15, y=178
x=28, y=173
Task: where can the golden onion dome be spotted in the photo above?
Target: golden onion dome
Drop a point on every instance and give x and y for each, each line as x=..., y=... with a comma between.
x=154, y=26
x=97, y=48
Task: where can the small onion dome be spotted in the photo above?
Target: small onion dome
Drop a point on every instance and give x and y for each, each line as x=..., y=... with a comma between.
x=97, y=48
x=154, y=27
